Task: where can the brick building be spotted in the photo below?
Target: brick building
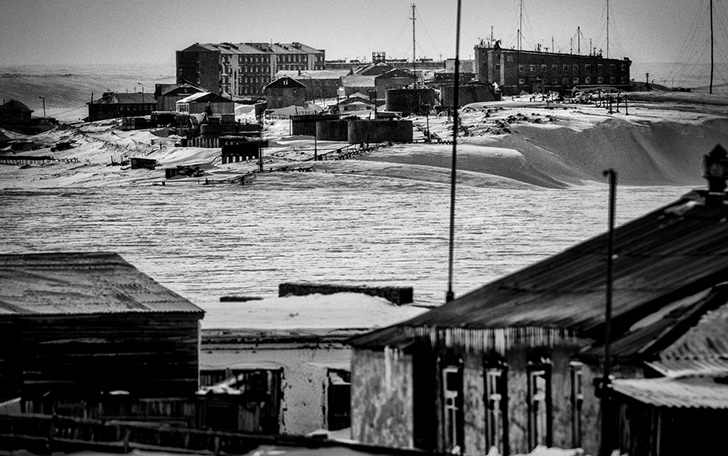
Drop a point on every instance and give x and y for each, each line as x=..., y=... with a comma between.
x=242, y=70
x=517, y=71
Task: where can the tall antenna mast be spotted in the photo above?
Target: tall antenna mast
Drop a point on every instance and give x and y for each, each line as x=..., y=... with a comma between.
x=414, y=54
x=520, y=27
x=608, y=28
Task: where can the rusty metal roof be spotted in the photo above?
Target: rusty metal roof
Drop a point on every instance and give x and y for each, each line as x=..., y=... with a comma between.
x=687, y=392
x=72, y=283
x=669, y=254
x=655, y=336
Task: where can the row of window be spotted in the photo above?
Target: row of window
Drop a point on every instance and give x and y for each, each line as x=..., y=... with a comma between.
x=539, y=404
x=577, y=80
x=569, y=67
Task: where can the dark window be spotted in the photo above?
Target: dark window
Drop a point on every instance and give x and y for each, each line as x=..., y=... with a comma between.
x=577, y=399
x=539, y=403
x=338, y=400
x=520, y=68
x=496, y=407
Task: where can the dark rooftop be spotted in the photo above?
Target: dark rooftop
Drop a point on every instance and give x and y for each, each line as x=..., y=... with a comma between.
x=81, y=283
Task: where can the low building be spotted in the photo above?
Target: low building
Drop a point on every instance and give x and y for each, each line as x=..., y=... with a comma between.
x=14, y=113
x=284, y=92
x=206, y=103
x=167, y=95
x=509, y=365
x=113, y=105
x=299, y=361
x=670, y=416
x=81, y=324
x=320, y=84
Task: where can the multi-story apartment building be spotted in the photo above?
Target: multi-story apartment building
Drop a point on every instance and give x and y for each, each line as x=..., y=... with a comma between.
x=242, y=70
x=517, y=71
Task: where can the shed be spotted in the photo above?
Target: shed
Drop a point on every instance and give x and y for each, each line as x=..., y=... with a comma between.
x=671, y=416
x=80, y=323
x=14, y=112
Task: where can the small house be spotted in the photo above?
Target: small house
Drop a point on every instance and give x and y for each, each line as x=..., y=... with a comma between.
x=14, y=113
x=168, y=95
x=118, y=104
x=205, y=103
x=284, y=92
x=79, y=324
x=320, y=84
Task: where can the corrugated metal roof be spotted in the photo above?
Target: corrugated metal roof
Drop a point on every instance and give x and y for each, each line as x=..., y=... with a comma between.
x=666, y=255
x=653, y=335
x=81, y=283
x=688, y=392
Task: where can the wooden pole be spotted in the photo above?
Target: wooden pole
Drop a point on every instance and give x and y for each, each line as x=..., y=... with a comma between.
x=606, y=441
x=450, y=295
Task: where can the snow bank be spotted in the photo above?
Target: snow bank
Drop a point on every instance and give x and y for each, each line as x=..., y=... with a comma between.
x=335, y=311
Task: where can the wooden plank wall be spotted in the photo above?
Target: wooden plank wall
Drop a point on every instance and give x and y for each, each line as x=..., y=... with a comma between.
x=150, y=355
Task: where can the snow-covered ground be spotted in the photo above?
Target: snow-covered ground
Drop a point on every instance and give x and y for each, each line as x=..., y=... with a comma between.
x=530, y=184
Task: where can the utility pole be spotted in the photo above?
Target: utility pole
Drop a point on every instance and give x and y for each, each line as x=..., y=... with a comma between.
x=605, y=402
x=578, y=40
x=414, y=43
x=711, y=47
x=43, y=98
x=450, y=294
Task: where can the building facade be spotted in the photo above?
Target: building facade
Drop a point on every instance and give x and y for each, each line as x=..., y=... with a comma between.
x=320, y=84
x=284, y=92
x=117, y=104
x=517, y=71
x=242, y=70
x=14, y=113
x=513, y=364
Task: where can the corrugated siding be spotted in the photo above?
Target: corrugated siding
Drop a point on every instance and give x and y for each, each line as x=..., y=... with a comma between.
x=698, y=392
x=81, y=283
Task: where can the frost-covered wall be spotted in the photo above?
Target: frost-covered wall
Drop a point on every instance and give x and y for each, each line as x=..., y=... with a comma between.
x=381, y=392
x=305, y=369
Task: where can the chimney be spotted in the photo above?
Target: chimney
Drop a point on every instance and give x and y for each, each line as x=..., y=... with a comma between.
x=715, y=169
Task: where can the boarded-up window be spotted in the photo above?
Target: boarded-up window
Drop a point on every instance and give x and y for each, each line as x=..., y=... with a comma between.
x=577, y=399
x=338, y=400
x=452, y=400
x=539, y=403
x=496, y=407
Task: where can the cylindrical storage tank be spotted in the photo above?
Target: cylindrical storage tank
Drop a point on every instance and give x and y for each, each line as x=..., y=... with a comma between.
x=332, y=130
x=409, y=101
x=378, y=131
x=305, y=124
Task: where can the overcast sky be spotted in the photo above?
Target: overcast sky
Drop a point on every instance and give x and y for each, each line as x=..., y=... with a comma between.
x=146, y=31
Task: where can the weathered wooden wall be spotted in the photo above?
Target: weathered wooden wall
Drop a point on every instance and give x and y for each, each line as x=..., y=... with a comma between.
x=381, y=392
x=143, y=353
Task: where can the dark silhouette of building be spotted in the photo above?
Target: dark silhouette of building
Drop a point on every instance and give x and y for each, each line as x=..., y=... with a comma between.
x=516, y=71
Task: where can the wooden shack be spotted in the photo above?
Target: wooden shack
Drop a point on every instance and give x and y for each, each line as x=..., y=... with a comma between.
x=79, y=324
x=670, y=416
